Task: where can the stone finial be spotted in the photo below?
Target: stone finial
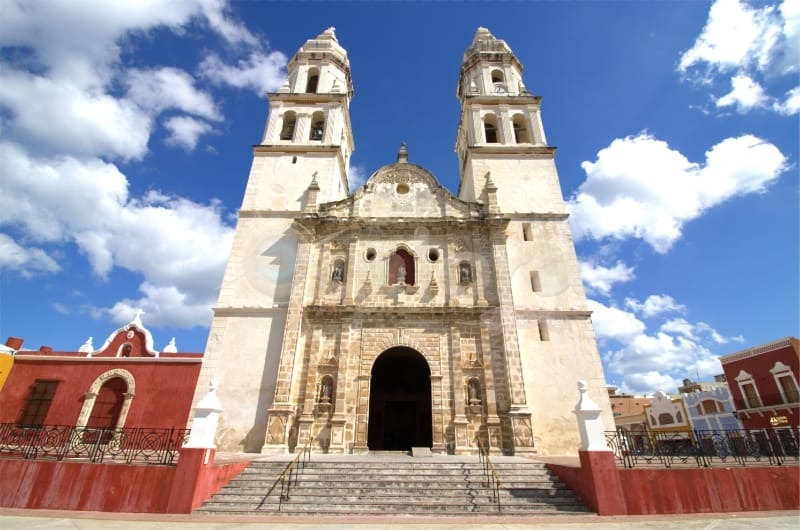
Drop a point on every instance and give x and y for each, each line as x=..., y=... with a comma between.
x=87, y=346
x=206, y=418
x=171, y=347
x=137, y=319
x=402, y=154
x=590, y=424
x=313, y=190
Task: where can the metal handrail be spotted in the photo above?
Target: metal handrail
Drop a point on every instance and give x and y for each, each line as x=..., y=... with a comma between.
x=706, y=448
x=128, y=445
x=489, y=471
x=291, y=473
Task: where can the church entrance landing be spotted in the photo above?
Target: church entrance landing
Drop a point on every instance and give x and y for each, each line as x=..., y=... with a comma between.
x=400, y=401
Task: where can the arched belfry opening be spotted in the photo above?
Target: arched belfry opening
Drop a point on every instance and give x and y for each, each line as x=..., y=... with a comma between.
x=400, y=401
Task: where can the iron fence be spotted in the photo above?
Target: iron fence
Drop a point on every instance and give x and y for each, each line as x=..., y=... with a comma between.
x=769, y=446
x=139, y=445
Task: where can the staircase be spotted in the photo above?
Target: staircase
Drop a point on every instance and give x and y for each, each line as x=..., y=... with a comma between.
x=396, y=484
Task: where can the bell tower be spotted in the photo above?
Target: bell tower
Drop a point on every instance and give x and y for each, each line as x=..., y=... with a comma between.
x=300, y=162
x=507, y=164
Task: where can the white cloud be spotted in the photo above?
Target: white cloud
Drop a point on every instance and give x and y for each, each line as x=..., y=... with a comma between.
x=357, y=177
x=601, y=279
x=655, y=305
x=641, y=188
x=163, y=88
x=175, y=244
x=185, y=131
x=615, y=324
x=26, y=261
x=746, y=42
x=745, y=95
x=650, y=361
x=791, y=103
x=259, y=72
x=69, y=106
x=738, y=36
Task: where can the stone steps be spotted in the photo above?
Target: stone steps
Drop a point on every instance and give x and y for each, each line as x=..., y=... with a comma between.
x=395, y=485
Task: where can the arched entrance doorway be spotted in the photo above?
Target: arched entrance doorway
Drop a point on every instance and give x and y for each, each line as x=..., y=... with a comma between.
x=400, y=401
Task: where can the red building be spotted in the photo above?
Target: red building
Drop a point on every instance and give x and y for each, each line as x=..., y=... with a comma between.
x=763, y=382
x=125, y=383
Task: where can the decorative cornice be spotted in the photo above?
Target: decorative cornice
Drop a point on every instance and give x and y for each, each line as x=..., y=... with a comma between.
x=757, y=350
x=295, y=148
x=504, y=149
x=406, y=311
x=249, y=311
x=78, y=358
x=553, y=314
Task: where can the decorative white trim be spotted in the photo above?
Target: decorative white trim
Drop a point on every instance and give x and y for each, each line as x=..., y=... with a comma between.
x=136, y=323
x=94, y=389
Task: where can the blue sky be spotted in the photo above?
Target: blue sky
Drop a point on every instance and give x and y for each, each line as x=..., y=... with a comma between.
x=126, y=133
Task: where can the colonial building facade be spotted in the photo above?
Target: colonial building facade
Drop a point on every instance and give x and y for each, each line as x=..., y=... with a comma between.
x=402, y=315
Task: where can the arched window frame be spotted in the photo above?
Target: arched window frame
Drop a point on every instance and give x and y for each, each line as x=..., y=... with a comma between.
x=94, y=389
x=288, y=126
x=312, y=81
x=751, y=402
x=408, y=260
x=522, y=133
x=491, y=130
x=317, y=132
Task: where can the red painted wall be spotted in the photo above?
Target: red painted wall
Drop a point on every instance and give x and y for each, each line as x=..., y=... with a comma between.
x=76, y=486
x=37, y=484
x=163, y=388
x=695, y=490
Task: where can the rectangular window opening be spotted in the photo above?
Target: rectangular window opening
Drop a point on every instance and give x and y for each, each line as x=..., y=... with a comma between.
x=536, y=284
x=39, y=401
x=750, y=396
x=789, y=388
x=544, y=332
x=527, y=234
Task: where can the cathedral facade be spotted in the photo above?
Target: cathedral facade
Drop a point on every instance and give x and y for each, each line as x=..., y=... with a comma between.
x=402, y=315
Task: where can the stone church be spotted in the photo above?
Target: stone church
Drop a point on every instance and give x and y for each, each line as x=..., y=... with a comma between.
x=402, y=315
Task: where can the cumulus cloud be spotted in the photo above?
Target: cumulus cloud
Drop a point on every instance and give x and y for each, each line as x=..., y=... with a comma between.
x=185, y=131
x=745, y=41
x=601, y=279
x=260, y=72
x=641, y=188
x=790, y=104
x=71, y=109
x=657, y=357
x=27, y=261
x=159, y=89
x=744, y=96
x=655, y=305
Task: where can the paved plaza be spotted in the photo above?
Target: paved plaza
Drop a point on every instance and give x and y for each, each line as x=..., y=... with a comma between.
x=66, y=520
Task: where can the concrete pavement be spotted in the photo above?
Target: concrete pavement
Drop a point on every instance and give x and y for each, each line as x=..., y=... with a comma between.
x=69, y=520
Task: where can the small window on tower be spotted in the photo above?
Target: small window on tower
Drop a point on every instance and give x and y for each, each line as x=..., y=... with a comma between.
x=490, y=128
x=313, y=81
x=317, y=126
x=527, y=234
x=289, y=121
x=536, y=283
x=497, y=76
x=544, y=332
x=521, y=135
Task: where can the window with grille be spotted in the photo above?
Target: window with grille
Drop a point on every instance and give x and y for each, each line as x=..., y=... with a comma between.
x=39, y=401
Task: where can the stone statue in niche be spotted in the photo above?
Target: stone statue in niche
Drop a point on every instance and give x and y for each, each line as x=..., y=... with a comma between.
x=474, y=392
x=401, y=274
x=465, y=273
x=326, y=392
x=338, y=272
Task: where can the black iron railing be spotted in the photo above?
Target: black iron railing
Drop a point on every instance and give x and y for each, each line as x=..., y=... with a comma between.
x=770, y=446
x=489, y=472
x=138, y=445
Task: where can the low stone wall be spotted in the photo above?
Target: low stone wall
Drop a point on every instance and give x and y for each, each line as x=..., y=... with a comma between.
x=680, y=490
x=64, y=485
